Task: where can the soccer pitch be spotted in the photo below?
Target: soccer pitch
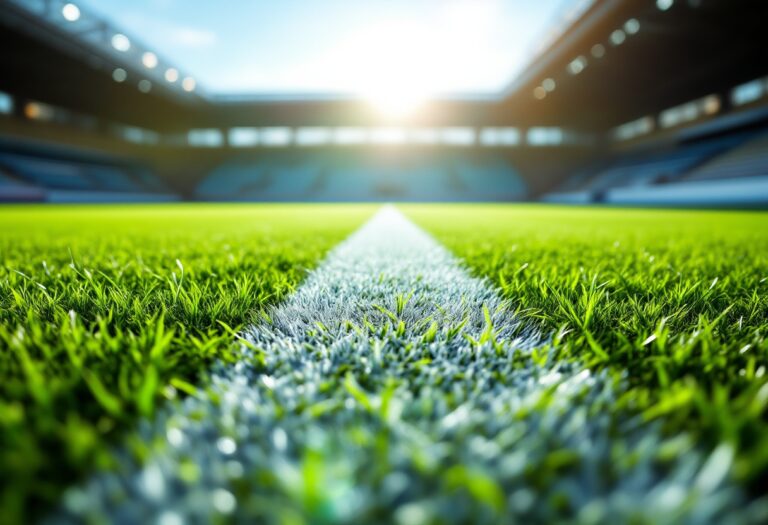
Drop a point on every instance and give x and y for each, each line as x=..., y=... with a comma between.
x=581, y=365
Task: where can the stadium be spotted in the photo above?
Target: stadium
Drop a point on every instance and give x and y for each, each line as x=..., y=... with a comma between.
x=439, y=262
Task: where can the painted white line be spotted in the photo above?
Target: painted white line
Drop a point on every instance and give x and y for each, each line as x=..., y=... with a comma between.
x=395, y=387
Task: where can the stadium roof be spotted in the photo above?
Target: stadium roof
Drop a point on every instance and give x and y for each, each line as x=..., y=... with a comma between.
x=430, y=48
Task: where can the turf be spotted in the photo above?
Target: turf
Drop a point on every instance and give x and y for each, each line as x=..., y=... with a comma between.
x=676, y=301
x=106, y=311
x=408, y=395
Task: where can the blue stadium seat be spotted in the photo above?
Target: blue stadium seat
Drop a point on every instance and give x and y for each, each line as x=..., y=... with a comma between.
x=46, y=173
x=324, y=176
x=747, y=160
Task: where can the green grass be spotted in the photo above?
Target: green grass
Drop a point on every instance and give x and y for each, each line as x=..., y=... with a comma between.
x=106, y=311
x=676, y=300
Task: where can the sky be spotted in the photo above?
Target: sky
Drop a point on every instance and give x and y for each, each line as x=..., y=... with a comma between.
x=424, y=47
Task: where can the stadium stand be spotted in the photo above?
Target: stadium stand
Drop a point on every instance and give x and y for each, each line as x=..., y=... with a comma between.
x=13, y=190
x=328, y=177
x=633, y=104
x=707, y=172
x=747, y=160
x=34, y=177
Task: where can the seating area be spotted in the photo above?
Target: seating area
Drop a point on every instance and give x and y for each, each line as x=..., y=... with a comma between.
x=12, y=190
x=747, y=160
x=327, y=177
x=26, y=176
x=725, y=171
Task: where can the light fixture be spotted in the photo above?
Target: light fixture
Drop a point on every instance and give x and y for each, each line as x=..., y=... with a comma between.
x=618, y=37
x=549, y=84
x=120, y=42
x=70, y=12
x=632, y=26
x=119, y=75
x=188, y=84
x=598, y=51
x=663, y=5
x=171, y=75
x=145, y=86
x=577, y=65
x=149, y=60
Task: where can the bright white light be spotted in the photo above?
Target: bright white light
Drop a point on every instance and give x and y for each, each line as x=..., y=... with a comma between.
x=632, y=26
x=387, y=136
x=423, y=136
x=188, y=84
x=399, y=64
x=145, y=86
x=395, y=105
x=243, y=137
x=70, y=12
x=119, y=75
x=171, y=75
x=539, y=136
x=313, y=136
x=149, y=60
x=205, y=138
x=121, y=42
x=663, y=5
x=618, y=37
x=350, y=135
x=499, y=137
x=576, y=66
x=276, y=136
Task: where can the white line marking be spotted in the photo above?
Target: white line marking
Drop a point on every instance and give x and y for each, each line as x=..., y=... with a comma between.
x=380, y=392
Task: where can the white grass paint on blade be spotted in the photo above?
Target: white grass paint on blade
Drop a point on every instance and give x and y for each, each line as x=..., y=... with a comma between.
x=394, y=387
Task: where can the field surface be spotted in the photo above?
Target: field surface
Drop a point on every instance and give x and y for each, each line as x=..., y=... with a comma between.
x=107, y=311
x=676, y=301
x=553, y=364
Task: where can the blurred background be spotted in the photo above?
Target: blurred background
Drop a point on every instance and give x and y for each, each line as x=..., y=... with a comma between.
x=627, y=102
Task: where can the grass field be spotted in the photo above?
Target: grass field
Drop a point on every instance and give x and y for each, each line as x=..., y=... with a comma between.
x=675, y=300
x=107, y=311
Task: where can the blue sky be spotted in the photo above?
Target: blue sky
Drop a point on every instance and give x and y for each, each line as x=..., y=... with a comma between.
x=341, y=46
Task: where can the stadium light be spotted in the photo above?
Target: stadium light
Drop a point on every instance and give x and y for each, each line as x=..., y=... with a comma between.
x=577, y=65
x=120, y=42
x=663, y=5
x=70, y=12
x=171, y=75
x=618, y=37
x=549, y=84
x=598, y=51
x=119, y=75
x=632, y=26
x=188, y=84
x=149, y=59
x=6, y=103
